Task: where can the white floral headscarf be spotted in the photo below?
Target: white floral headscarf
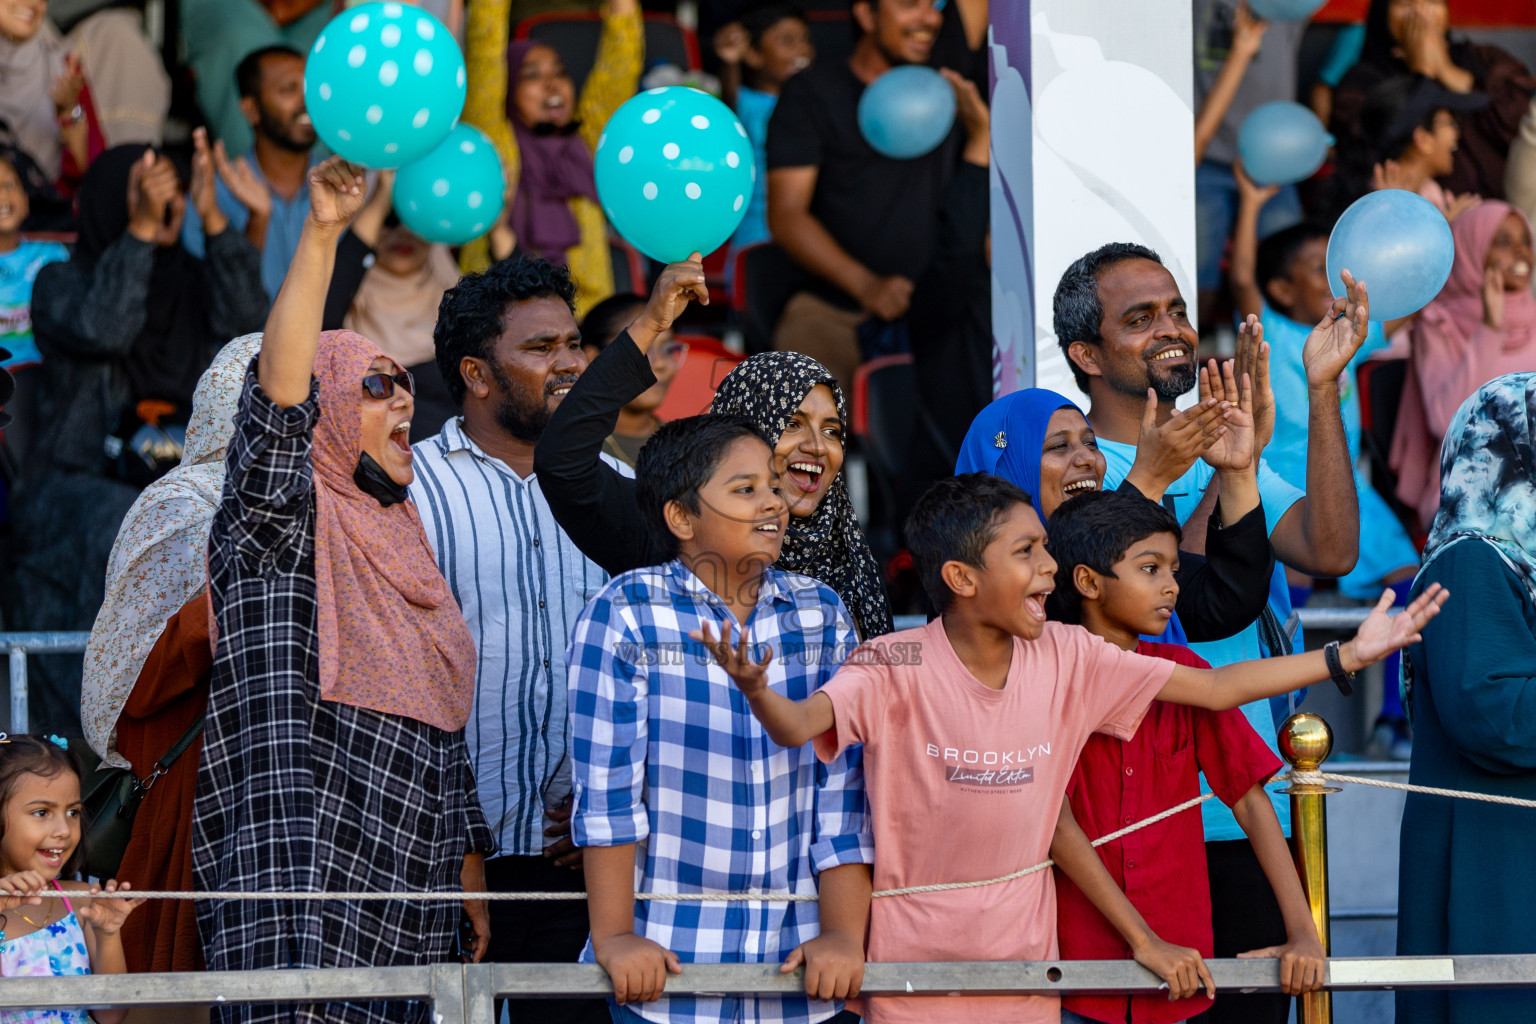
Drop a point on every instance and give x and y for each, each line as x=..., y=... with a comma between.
x=160, y=559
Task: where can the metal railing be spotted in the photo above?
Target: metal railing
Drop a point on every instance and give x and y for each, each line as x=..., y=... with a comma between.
x=18, y=645
x=466, y=994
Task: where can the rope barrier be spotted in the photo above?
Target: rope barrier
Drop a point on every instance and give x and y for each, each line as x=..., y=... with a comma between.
x=1302, y=778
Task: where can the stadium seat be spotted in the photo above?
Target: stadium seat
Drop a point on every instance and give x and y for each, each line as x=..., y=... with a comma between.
x=764, y=281
x=574, y=36
x=1380, y=383
x=699, y=377
x=631, y=273
x=884, y=396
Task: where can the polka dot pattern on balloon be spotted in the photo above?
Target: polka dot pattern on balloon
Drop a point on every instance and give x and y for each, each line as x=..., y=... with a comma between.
x=455, y=192
x=384, y=83
x=673, y=172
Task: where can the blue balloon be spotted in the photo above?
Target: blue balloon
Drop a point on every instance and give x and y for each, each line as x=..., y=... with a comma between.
x=1282, y=143
x=907, y=111
x=1285, y=10
x=674, y=172
x=384, y=83
x=454, y=193
x=1399, y=244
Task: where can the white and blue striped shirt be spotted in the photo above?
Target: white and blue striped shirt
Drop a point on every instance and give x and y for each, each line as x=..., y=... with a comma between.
x=521, y=583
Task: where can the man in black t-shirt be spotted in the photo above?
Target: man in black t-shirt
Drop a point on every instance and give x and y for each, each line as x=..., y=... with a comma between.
x=862, y=225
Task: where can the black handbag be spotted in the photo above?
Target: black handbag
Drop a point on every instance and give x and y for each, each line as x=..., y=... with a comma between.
x=113, y=801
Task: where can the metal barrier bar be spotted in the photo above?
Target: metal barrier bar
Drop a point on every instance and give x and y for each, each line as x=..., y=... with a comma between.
x=466, y=994
x=16, y=647
x=1311, y=618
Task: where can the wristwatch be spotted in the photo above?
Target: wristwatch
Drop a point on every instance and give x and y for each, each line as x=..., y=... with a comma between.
x=1342, y=679
x=72, y=117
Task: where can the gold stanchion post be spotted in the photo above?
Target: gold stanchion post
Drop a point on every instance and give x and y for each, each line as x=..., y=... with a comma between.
x=1305, y=741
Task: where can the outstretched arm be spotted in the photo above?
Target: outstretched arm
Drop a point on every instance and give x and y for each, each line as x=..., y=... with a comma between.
x=1247, y=34
x=789, y=723
x=1242, y=682
x=287, y=360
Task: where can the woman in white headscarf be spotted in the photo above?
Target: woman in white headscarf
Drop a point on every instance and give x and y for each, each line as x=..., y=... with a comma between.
x=147, y=662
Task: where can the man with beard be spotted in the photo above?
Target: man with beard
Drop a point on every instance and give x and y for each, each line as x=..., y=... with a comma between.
x=266, y=198
x=1124, y=328
x=509, y=351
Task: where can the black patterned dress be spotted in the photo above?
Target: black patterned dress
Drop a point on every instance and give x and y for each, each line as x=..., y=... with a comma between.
x=299, y=794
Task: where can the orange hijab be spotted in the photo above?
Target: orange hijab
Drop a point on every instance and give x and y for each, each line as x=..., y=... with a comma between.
x=392, y=638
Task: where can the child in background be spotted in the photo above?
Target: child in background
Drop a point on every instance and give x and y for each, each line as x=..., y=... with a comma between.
x=19, y=263
x=637, y=420
x=1281, y=287
x=43, y=933
x=774, y=42
x=1116, y=557
x=677, y=786
x=971, y=728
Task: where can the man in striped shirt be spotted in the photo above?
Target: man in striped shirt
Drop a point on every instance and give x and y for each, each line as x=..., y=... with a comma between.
x=509, y=350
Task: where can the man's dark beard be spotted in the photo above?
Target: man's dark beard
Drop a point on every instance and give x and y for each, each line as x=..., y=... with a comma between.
x=522, y=415
x=1169, y=384
x=282, y=132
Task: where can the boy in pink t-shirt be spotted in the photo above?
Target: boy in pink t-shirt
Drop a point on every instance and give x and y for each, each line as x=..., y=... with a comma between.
x=969, y=746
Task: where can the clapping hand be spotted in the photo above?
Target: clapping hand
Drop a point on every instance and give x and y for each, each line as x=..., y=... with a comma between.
x=1493, y=297
x=154, y=196
x=202, y=192
x=750, y=677
x=1164, y=452
x=239, y=177
x=1381, y=634
x=1253, y=361
x=66, y=88
x=337, y=190
x=1235, y=450
x=1338, y=336
x=107, y=916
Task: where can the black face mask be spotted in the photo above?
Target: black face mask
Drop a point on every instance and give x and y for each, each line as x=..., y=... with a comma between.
x=371, y=479
x=545, y=129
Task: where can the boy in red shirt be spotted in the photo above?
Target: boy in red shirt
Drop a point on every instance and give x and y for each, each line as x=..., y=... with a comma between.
x=1116, y=555
x=971, y=728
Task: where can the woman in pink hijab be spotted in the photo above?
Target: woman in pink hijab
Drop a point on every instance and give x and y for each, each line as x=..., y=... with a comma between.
x=1482, y=325
x=334, y=756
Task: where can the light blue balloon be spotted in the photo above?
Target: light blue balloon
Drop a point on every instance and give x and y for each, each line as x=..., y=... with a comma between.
x=674, y=172
x=454, y=193
x=907, y=111
x=384, y=83
x=1399, y=244
x=1282, y=143
x=1285, y=10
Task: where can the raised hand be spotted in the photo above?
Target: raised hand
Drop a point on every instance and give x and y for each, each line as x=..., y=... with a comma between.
x=337, y=190
x=1181, y=967
x=107, y=916
x=66, y=88
x=21, y=890
x=1456, y=205
x=1381, y=634
x=1390, y=174
x=202, y=192
x=1165, y=452
x=1236, y=449
x=679, y=284
x=1493, y=297
x=1247, y=31
x=1248, y=192
x=239, y=177
x=1338, y=336
x=731, y=43
x=1253, y=361
x=1302, y=964
x=750, y=677
x=153, y=188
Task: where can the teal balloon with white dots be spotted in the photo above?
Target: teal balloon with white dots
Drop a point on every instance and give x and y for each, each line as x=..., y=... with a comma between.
x=454, y=193
x=674, y=172
x=384, y=83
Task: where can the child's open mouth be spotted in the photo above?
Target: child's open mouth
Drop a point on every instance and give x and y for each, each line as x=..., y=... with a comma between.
x=806, y=475
x=1035, y=605
x=768, y=529
x=53, y=856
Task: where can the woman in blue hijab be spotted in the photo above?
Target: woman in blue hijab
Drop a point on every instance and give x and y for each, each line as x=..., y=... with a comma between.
x=1041, y=442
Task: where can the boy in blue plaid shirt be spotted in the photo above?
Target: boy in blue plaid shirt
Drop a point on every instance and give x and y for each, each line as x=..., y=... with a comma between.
x=677, y=787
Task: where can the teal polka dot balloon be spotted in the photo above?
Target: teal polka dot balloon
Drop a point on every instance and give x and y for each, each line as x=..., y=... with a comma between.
x=384, y=83
x=674, y=172
x=454, y=193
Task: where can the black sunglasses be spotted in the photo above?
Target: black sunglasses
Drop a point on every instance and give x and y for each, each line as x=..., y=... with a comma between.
x=382, y=385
